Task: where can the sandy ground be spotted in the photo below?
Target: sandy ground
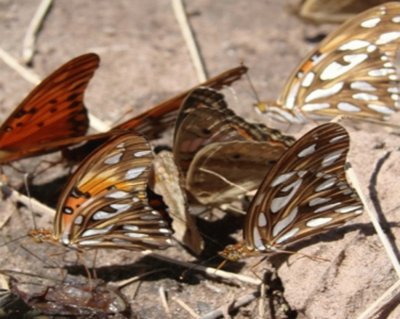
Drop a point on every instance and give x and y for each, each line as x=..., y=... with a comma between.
x=143, y=60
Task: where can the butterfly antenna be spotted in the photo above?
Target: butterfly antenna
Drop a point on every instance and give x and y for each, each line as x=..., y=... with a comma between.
x=314, y=258
x=26, y=184
x=28, y=251
x=13, y=240
x=253, y=89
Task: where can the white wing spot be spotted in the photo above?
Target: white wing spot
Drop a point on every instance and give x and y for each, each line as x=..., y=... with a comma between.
x=325, y=185
x=318, y=201
x=362, y=86
x=393, y=90
x=371, y=48
x=165, y=231
x=307, y=151
x=354, y=45
x=98, y=231
x=396, y=19
x=117, y=194
x=335, y=69
x=78, y=220
x=315, y=107
x=262, y=221
x=113, y=159
x=288, y=235
x=380, y=109
x=365, y=97
x=331, y=158
x=283, y=223
x=326, y=207
x=120, y=207
x=395, y=97
x=321, y=93
x=282, y=178
x=317, y=222
x=387, y=37
x=142, y=153
x=350, y=209
x=348, y=107
x=308, y=79
x=336, y=138
x=131, y=227
x=134, y=172
x=381, y=72
x=257, y=239
x=136, y=235
x=370, y=23
x=279, y=202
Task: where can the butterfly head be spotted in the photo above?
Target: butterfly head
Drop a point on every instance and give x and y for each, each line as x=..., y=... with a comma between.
x=237, y=252
x=41, y=235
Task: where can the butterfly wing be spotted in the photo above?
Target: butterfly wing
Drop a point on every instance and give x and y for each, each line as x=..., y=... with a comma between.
x=211, y=144
x=168, y=183
x=53, y=111
x=205, y=118
x=162, y=116
x=105, y=202
x=305, y=193
x=351, y=73
x=221, y=172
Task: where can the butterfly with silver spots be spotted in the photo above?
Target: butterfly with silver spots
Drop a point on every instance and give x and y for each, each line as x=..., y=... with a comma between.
x=304, y=194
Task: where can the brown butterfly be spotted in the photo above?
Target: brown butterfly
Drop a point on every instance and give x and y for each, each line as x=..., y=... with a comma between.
x=304, y=194
x=53, y=115
x=336, y=11
x=351, y=73
x=105, y=204
x=219, y=153
x=167, y=182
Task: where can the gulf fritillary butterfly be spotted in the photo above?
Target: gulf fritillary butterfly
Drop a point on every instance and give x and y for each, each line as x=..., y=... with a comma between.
x=53, y=115
x=304, y=194
x=105, y=204
x=219, y=153
x=351, y=73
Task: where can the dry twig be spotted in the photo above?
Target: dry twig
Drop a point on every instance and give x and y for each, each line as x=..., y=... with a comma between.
x=28, y=46
x=193, y=46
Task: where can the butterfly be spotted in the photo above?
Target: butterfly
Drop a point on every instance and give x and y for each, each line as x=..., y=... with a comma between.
x=220, y=154
x=53, y=115
x=167, y=182
x=105, y=204
x=351, y=73
x=155, y=120
x=337, y=11
x=305, y=193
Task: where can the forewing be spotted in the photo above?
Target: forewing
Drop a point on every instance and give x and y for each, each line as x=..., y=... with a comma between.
x=105, y=202
x=305, y=193
x=352, y=72
x=53, y=111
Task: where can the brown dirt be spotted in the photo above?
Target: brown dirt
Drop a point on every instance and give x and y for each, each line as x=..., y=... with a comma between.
x=144, y=59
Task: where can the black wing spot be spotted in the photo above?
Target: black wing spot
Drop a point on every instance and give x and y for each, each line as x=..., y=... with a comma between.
x=53, y=101
x=206, y=131
x=53, y=109
x=74, y=104
x=72, y=97
x=40, y=124
x=20, y=113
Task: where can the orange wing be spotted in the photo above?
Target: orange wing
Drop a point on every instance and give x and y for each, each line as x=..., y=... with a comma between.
x=51, y=113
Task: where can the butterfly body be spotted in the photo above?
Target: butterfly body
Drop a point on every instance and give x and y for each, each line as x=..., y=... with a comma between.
x=304, y=194
x=351, y=73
